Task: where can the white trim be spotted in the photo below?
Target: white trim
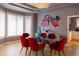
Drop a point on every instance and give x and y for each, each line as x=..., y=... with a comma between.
x=73, y=16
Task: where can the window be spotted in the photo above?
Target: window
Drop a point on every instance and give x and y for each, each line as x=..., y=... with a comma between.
x=19, y=25
x=15, y=25
x=77, y=22
x=2, y=24
x=28, y=24
x=12, y=24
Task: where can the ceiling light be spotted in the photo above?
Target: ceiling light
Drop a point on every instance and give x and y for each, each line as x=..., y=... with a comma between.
x=42, y=5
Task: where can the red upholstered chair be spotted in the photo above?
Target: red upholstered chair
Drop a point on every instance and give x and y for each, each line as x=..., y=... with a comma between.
x=25, y=34
x=44, y=35
x=24, y=43
x=51, y=36
x=35, y=46
x=59, y=46
x=52, y=47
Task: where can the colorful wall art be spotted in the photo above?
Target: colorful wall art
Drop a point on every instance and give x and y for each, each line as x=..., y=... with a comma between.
x=54, y=21
x=45, y=23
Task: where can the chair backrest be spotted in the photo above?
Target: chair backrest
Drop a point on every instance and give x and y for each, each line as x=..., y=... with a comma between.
x=33, y=43
x=24, y=41
x=60, y=45
x=51, y=36
x=25, y=34
x=43, y=35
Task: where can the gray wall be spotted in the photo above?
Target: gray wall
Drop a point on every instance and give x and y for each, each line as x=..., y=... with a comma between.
x=63, y=13
x=34, y=28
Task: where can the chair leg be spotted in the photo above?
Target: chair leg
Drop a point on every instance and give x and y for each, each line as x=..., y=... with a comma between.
x=30, y=52
x=55, y=51
x=63, y=53
x=36, y=53
x=26, y=50
x=50, y=52
x=21, y=50
x=59, y=53
x=43, y=52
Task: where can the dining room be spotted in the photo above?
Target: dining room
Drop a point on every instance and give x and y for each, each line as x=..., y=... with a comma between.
x=36, y=29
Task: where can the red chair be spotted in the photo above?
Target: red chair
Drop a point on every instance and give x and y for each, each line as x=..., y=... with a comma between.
x=51, y=36
x=25, y=34
x=24, y=43
x=44, y=35
x=35, y=46
x=59, y=46
x=52, y=47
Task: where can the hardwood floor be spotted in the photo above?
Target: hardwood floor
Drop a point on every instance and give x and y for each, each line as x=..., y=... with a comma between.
x=13, y=49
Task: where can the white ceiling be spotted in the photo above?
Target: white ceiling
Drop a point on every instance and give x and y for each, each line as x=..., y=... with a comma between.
x=12, y=7
x=23, y=7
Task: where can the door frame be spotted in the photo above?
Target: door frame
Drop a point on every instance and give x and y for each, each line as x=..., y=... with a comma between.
x=68, y=22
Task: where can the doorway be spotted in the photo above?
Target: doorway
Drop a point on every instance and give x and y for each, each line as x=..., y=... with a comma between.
x=73, y=28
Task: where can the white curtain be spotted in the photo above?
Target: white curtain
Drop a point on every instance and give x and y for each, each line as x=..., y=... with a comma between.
x=15, y=25
x=19, y=25
x=2, y=24
x=28, y=24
